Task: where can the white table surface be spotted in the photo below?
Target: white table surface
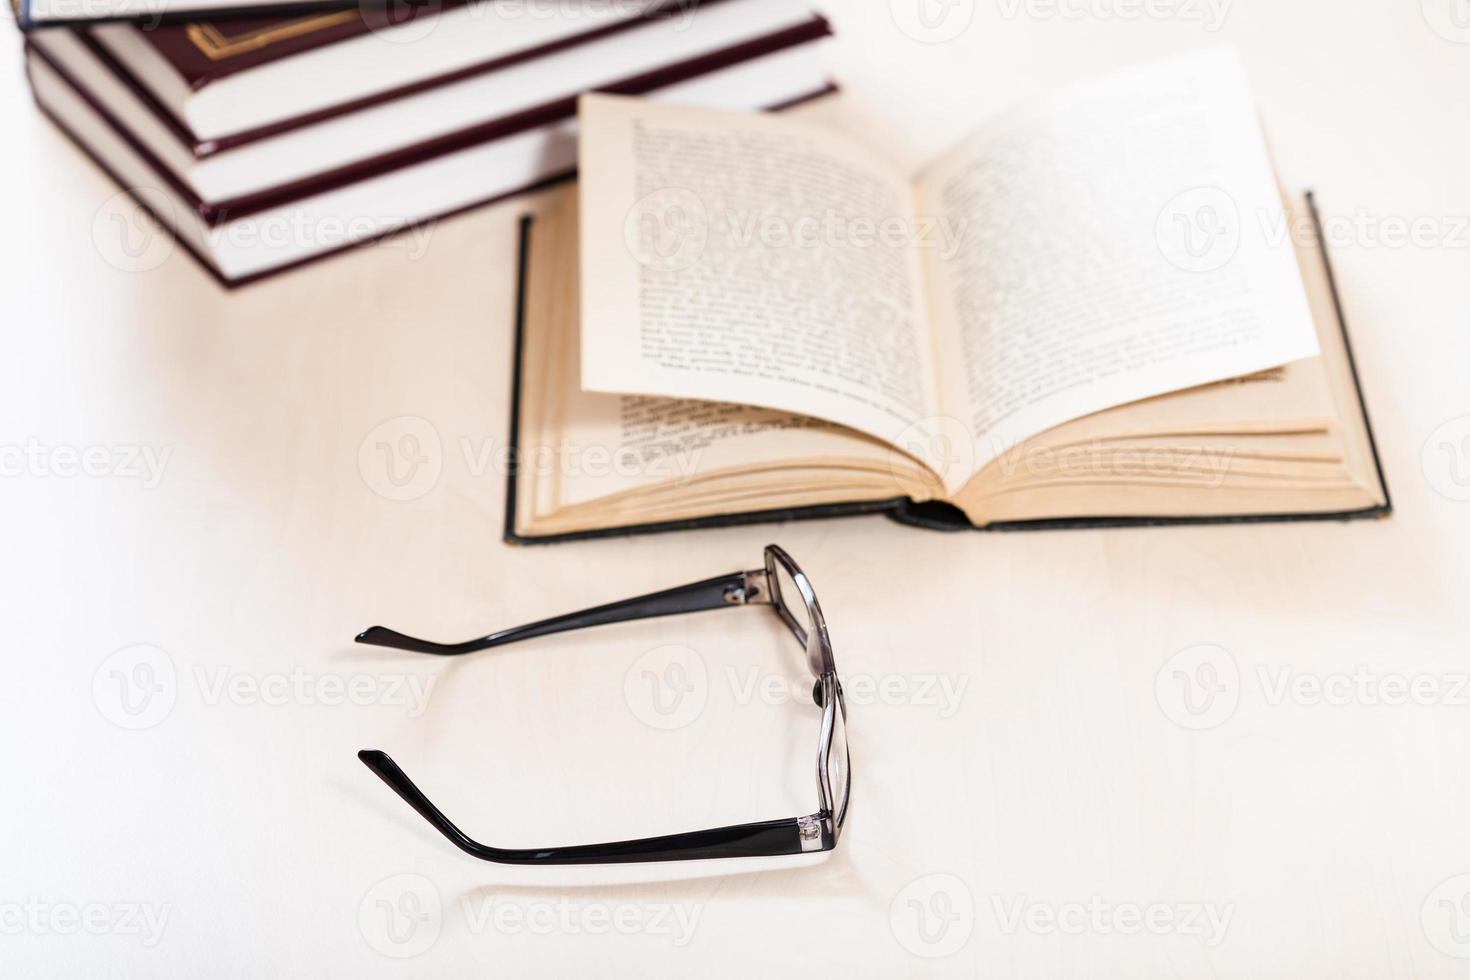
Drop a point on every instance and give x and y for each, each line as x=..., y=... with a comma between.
x=1034, y=796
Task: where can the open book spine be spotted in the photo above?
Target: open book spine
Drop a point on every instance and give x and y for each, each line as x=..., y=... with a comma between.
x=931, y=515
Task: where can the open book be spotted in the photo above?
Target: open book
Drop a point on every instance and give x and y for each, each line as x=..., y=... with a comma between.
x=1095, y=307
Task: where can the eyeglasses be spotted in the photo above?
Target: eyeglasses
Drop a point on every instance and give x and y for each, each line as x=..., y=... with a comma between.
x=780, y=585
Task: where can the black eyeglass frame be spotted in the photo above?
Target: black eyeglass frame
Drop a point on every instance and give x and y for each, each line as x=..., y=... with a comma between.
x=819, y=831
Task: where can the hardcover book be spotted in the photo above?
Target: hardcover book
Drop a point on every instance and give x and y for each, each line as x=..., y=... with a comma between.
x=223, y=83
x=1097, y=308
x=213, y=38
x=71, y=13
x=248, y=172
x=417, y=155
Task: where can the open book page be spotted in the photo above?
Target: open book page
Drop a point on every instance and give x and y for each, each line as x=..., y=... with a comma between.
x=593, y=459
x=1281, y=402
x=1287, y=440
x=1115, y=245
x=758, y=260
x=618, y=446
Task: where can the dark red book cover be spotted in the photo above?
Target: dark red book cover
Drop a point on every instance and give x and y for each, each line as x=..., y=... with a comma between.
x=204, y=51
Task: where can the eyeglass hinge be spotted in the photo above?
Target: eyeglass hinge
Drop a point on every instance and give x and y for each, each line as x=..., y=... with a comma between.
x=754, y=589
x=809, y=829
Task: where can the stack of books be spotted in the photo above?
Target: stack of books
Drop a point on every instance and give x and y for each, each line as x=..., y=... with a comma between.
x=266, y=142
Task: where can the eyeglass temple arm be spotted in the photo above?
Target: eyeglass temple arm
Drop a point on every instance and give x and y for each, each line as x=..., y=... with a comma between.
x=769, y=838
x=736, y=589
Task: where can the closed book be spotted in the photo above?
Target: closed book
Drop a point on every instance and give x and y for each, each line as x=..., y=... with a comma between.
x=40, y=14
x=238, y=238
x=222, y=83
